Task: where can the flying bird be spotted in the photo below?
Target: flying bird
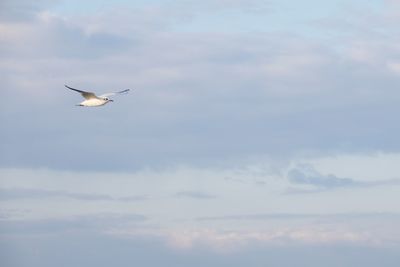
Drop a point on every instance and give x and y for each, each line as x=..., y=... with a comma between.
x=92, y=100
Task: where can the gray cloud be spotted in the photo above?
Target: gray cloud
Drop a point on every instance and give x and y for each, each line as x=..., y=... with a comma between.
x=256, y=182
x=11, y=213
x=31, y=193
x=275, y=216
x=22, y=10
x=303, y=216
x=194, y=194
x=53, y=37
x=297, y=176
x=97, y=223
x=308, y=176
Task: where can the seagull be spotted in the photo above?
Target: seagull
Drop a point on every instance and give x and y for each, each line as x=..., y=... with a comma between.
x=92, y=100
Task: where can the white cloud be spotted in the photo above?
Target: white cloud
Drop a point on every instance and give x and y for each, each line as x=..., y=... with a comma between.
x=367, y=230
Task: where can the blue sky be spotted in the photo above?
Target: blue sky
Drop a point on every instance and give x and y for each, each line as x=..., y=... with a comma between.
x=256, y=133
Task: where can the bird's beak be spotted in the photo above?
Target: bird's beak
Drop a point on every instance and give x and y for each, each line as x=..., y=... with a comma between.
x=111, y=100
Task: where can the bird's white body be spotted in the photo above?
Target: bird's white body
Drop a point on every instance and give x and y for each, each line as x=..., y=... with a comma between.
x=92, y=100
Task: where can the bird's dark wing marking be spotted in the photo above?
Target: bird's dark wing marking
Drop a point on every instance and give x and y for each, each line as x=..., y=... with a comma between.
x=123, y=91
x=86, y=95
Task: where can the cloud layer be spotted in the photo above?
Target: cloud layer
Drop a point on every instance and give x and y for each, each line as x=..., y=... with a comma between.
x=236, y=106
x=199, y=98
x=30, y=193
x=306, y=175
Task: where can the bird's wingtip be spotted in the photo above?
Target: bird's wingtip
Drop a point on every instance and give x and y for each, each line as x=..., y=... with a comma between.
x=124, y=91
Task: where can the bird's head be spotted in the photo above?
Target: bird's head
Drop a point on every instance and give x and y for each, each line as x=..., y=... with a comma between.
x=107, y=99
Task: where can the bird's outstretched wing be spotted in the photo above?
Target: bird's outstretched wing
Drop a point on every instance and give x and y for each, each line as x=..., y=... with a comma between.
x=115, y=93
x=86, y=95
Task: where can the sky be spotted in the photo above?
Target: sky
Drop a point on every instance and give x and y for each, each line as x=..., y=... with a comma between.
x=256, y=133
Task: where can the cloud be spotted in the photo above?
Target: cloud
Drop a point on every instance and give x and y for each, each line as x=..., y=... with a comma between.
x=194, y=9
x=98, y=223
x=303, y=216
x=31, y=193
x=202, y=99
x=308, y=229
x=131, y=234
x=255, y=181
x=63, y=40
x=107, y=250
x=309, y=176
x=194, y=194
x=275, y=216
x=209, y=96
x=22, y=10
x=7, y=213
x=306, y=175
